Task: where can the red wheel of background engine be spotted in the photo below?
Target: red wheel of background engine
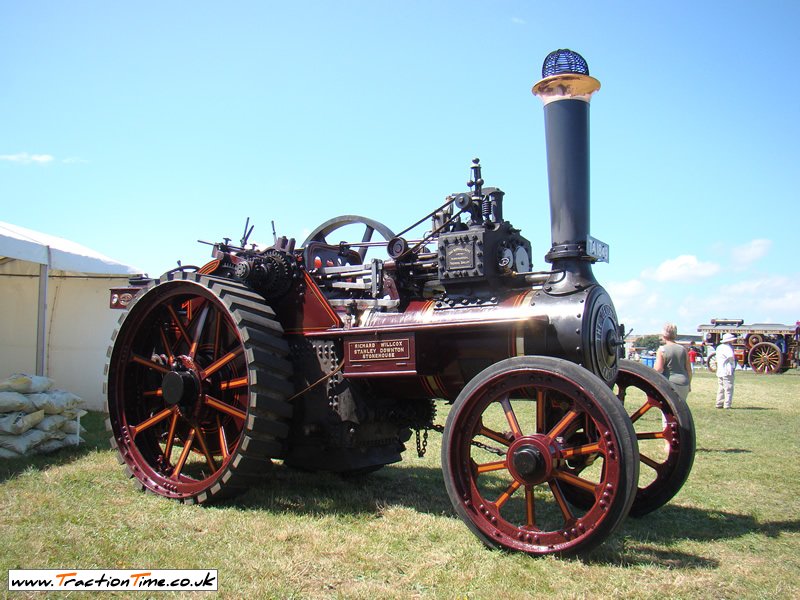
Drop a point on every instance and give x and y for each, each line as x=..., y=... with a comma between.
x=184, y=416
x=507, y=443
x=765, y=358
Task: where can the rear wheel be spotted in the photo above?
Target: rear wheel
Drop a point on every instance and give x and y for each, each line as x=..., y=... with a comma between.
x=197, y=388
x=508, y=446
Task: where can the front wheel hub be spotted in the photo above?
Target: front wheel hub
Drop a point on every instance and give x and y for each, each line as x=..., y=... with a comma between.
x=529, y=462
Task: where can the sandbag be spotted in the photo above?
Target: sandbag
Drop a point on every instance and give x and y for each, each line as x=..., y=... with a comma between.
x=53, y=445
x=72, y=427
x=21, y=444
x=6, y=453
x=14, y=401
x=74, y=413
x=26, y=384
x=51, y=422
x=20, y=422
x=54, y=402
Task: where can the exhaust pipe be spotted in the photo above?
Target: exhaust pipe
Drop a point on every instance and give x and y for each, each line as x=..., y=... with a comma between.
x=566, y=89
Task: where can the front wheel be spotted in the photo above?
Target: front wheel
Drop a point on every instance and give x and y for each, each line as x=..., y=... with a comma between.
x=510, y=443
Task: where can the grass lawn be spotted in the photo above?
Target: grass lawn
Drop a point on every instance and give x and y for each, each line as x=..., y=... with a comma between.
x=733, y=531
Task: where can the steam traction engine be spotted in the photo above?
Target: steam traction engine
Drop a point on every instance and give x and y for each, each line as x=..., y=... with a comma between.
x=326, y=359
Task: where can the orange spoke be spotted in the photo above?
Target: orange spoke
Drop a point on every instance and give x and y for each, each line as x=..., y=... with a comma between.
x=201, y=323
x=233, y=383
x=508, y=493
x=201, y=439
x=171, y=436
x=651, y=435
x=575, y=481
x=226, y=408
x=223, y=440
x=218, y=364
x=146, y=362
x=511, y=417
x=167, y=346
x=563, y=424
x=492, y=466
x=561, y=501
x=154, y=393
x=643, y=409
x=493, y=435
x=147, y=423
x=649, y=461
x=540, y=411
x=530, y=509
x=187, y=447
x=179, y=324
x=580, y=450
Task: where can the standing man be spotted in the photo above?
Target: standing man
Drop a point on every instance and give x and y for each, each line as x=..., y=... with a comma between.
x=726, y=367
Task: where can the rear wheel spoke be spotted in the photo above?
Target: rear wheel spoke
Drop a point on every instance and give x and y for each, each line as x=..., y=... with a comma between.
x=225, y=408
x=187, y=447
x=147, y=423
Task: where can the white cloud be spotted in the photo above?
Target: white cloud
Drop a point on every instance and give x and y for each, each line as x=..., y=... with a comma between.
x=518, y=21
x=683, y=268
x=26, y=159
x=750, y=252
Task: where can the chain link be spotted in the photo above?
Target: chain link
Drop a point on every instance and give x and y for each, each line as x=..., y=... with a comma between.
x=422, y=444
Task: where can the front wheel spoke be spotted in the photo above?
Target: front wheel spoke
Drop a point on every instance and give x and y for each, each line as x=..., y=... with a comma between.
x=491, y=466
x=651, y=435
x=187, y=447
x=511, y=417
x=575, y=481
x=642, y=409
x=563, y=424
x=218, y=364
x=225, y=408
x=561, y=501
x=146, y=362
x=507, y=494
x=201, y=440
x=656, y=466
x=147, y=423
x=584, y=450
x=540, y=412
x=493, y=435
x=530, y=507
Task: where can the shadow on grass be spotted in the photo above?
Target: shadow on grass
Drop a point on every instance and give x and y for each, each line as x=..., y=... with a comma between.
x=95, y=438
x=724, y=450
x=643, y=541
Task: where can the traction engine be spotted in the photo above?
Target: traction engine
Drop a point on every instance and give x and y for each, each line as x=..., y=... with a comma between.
x=324, y=357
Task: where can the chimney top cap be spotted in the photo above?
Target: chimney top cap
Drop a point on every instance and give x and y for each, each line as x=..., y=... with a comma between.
x=564, y=61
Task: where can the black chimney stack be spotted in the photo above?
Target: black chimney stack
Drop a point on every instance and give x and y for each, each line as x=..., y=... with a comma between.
x=566, y=89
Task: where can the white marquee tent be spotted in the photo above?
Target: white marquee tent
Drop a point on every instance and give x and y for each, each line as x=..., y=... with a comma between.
x=54, y=309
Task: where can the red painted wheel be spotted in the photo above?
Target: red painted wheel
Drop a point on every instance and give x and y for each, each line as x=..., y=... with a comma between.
x=197, y=388
x=508, y=443
x=765, y=358
x=664, y=431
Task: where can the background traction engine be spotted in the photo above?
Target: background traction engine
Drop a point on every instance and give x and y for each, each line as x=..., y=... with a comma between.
x=323, y=358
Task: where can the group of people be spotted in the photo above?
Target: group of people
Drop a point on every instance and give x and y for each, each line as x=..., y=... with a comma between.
x=673, y=361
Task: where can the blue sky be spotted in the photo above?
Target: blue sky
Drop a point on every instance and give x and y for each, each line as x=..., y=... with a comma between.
x=138, y=128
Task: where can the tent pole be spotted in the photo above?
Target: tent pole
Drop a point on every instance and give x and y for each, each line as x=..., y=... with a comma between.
x=41, y=320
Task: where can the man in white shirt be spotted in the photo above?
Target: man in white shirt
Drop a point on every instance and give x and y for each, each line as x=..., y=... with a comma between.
x=726, y=367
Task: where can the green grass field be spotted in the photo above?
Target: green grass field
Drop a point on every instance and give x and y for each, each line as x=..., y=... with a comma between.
x=733, y=531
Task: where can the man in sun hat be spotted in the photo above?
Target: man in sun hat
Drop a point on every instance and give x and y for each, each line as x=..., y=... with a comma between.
x=726, y=367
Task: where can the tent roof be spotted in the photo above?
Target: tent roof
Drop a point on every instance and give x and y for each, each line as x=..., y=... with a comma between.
x=59, y=254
